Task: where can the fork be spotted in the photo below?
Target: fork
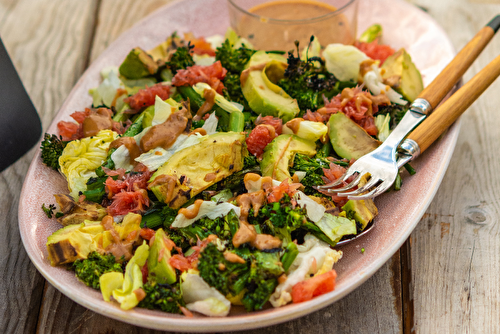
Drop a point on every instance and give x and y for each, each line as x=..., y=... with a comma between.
x=383, y=164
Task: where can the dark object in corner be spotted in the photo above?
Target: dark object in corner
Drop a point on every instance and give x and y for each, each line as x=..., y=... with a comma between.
x=20, y=126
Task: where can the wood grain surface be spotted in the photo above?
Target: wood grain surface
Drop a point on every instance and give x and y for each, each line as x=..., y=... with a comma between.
x=444, y=280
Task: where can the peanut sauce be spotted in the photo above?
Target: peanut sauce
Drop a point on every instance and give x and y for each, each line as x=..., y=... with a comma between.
x=365, y=67
x=209, y=96
x=234, y=258
x=294, y=124
x=265, y=241
x=245, y=73
x=267, y=35
x=250, y=200
x=192, y=212
x=166, y=133
x=97, y=121
x=129, y=142
x=246, y=233
x=169, y=181
x=210, y=177
x=139, y=294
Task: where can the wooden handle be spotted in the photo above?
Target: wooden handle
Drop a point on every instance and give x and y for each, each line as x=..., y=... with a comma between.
x=445, y=81
x=431, y=128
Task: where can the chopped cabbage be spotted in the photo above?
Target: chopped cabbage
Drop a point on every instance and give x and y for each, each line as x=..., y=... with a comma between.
x=80, y=158
x=210, y=125
x=336, y=227
x=215, y=40
x=158, y=156
x=343, y=61
x=382, y=124
x=208, y=209
x=203, y=60
x=121, y=158
x=300, y=174
x=308, y=130
x=314, y=211
x=105, y=93
x=202, y=298
x=163, y=110
x=312, y=255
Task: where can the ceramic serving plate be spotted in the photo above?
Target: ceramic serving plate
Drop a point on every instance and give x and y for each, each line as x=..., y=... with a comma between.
x=404, y=26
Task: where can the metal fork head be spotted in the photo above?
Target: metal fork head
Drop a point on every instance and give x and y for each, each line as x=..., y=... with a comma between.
x=381, y=164
x=380, y=170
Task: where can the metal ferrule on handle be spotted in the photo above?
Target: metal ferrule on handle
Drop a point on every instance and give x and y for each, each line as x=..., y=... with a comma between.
x=417, y=113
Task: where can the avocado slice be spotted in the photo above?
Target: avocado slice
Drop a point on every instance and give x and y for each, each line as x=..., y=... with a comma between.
x=73, y=242
x=401, y=73
x=279, y=154
x=258, y=84
x=160, y=271
x=349, y=140
x=362, y=211
x=193, y=169
x=137, y=65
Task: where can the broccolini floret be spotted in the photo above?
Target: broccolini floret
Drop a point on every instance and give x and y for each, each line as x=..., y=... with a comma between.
x=307, y=83
x=165, y=297
x=52, y=148
x=314, y=171
x=181, y=59
x=234, y=61
x=94, y=266
x=257, y=276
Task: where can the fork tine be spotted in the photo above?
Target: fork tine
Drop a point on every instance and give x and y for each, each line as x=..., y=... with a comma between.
x=369, y=194
x=361, y=190
x=344, y=178
x=349, y=186
x=381, y=188
x=366, y=187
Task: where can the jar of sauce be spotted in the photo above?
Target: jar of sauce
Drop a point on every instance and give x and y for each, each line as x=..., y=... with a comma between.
x=277, y=24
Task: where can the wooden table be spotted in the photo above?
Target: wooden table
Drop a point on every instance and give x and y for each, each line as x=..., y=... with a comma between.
x=445, y=279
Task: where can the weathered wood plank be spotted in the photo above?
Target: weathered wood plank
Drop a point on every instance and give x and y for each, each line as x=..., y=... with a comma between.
x=125, y=14
x=455, y=248
x=381, y=293
x=47, y=41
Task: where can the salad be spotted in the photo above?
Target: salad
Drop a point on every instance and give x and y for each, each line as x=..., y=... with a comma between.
x=193, y=176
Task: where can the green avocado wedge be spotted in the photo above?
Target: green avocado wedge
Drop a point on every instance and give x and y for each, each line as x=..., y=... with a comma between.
x=400, y=72
x=258, y=84
x=349, y=140
x=195, y=168
x=159, y=270
x=279, y=154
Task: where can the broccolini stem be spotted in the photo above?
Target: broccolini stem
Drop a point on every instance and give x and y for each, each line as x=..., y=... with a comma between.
x=291, y=253
x=153, y=221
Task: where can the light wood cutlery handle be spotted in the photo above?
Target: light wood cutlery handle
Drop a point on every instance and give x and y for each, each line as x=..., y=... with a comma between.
x=441, y=118
x=445, y=81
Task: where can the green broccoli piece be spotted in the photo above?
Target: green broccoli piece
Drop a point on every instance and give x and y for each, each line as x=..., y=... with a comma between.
x=181, y=59
x=94, y=266
x=49, y=211
x=165, y=297
x=52, y=148
x=234, y=61
x=307, y=83
x=259, y=293
x=218, y=272
x=258, y=275
x=314, y=171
